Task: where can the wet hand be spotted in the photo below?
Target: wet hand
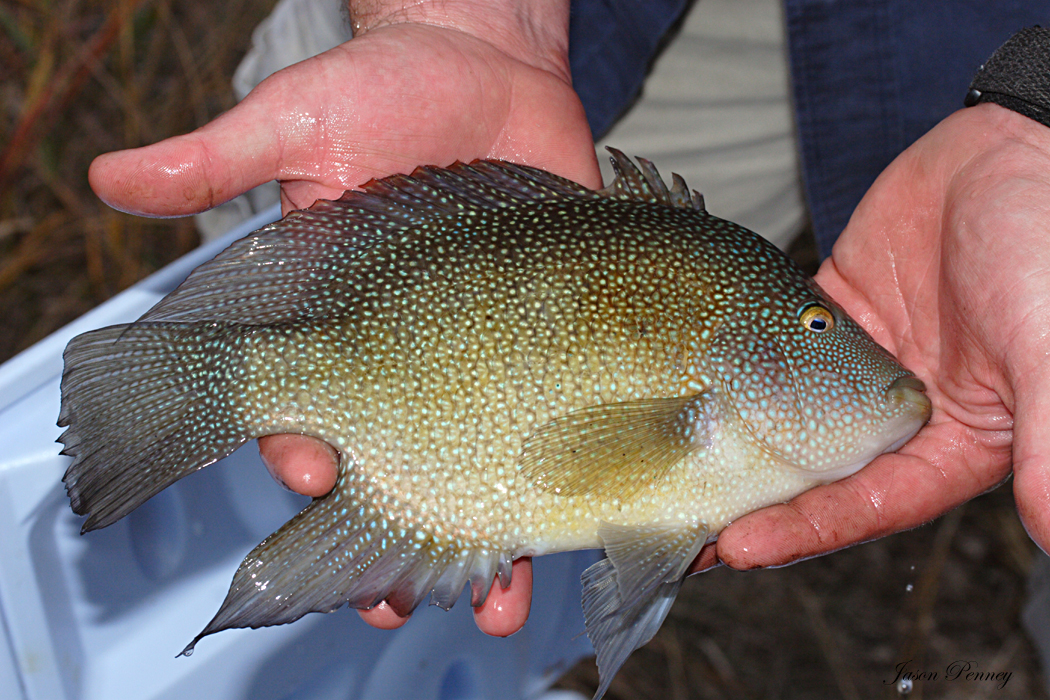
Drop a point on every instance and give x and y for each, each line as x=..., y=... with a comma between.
x=946, y=262
x=396, y=97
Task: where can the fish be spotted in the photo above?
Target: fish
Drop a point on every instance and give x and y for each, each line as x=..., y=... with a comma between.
x=508, y=364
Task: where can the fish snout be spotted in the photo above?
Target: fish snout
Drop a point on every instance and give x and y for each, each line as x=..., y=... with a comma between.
x=909, y=393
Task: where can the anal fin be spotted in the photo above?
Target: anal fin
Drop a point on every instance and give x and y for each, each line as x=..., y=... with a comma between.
x=339, y=551
x=627, y=596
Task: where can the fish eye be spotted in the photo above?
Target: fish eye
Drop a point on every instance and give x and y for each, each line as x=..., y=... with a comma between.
x=816, y=317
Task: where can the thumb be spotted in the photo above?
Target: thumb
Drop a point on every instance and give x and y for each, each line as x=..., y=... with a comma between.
x=1031, y=455
x=188, y=174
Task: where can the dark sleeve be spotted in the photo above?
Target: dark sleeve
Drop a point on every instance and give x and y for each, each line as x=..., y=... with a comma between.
x=872, y=76
x=611, y=46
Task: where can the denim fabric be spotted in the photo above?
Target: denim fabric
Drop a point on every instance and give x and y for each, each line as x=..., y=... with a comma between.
x=870, y=76
x=612, y=43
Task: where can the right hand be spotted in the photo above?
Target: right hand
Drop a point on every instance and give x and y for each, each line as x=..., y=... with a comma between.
x=464, y=80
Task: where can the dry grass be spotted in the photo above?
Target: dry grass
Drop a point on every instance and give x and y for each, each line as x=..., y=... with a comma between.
x=79, y=78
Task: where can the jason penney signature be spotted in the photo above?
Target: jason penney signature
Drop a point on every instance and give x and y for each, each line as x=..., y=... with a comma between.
x=955, y=671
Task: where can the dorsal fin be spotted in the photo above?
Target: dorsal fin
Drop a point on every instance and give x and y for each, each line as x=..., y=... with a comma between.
x=643, y=183
x=296, y=269
x=305, y=266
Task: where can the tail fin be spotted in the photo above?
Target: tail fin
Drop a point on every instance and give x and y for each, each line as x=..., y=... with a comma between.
x=340, y=551
x=143, y=405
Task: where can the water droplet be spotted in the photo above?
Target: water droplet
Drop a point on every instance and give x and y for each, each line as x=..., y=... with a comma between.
x=909, y=588
x=904, y=686
x=188, y=652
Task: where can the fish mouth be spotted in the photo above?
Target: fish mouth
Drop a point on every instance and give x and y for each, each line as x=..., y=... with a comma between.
x=909, y=381
x=906, y=396
x=909, y=394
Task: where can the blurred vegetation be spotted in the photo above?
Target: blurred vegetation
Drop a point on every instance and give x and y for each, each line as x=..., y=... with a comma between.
x=83, y=77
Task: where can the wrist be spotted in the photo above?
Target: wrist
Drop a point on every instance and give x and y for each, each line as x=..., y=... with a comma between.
x=988, y=128
x=536, y=33
x=1017, y=76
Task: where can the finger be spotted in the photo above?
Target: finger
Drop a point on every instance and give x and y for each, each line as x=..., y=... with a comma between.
x=1032, y=461
x=506, y=609
x=303, y=464
x=382, y=617
x=1032, y=495
x=706, y=559
x=194, y=172
x=940, y=469
x=309, y=466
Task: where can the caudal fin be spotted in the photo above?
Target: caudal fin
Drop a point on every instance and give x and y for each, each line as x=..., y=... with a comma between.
x=144, y=407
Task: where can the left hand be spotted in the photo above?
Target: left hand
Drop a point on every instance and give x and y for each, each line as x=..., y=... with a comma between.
x=439, y=82
x=946, y=261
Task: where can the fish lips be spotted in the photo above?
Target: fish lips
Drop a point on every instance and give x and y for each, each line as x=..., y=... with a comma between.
x=907, y=395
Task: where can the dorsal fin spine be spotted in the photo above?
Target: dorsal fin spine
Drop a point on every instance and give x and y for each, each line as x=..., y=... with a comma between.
x=642, y=182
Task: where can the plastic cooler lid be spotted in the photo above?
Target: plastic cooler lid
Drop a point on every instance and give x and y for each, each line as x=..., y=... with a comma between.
x=102, y=616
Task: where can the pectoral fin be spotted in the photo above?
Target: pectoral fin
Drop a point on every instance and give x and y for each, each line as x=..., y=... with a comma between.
x=614, y=450
x=627, y=595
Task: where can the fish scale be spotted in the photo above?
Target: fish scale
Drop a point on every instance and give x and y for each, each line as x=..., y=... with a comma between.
x=508, y=364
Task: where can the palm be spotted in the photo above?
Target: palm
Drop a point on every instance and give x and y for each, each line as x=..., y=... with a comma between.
x=946, y=262
x=391, y=100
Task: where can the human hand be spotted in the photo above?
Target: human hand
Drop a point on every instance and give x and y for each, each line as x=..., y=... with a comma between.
x=946, y=262
x=459, y=81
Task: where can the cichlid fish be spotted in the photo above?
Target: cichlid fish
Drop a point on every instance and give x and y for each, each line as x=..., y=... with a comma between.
x=508, y=364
